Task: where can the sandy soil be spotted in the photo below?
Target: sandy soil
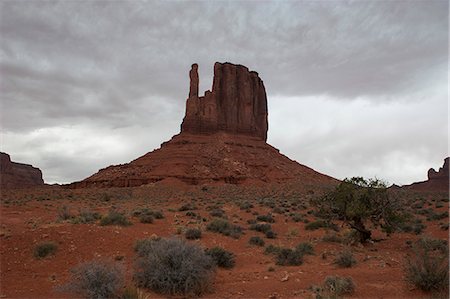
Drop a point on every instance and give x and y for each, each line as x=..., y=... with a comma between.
x=29, y=217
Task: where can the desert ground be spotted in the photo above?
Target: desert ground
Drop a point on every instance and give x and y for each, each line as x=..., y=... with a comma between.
x=30, y=217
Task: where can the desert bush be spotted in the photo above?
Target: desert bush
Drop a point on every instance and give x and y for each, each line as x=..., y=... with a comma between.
x=217, y=213
x=335, y=286
x=428, y=267
x=265, y=218
x=193, y=234
x=187, y=207
x=146, y=211
x=173, y=267
x=97, y=279
x=222, y=226
x=222, y=257
x=261, y=227
x=272, y=249
x=296, y=217
x=146, y=218
x=289, y=257
x=332, y=238
x=345, y=259
x=45, y=249
x=245, y=205
x=115, y=218
x=316, y=225
x=85, y=216
x=64, y=213
x=270, y=234
x=255, y=240
x=305, y=248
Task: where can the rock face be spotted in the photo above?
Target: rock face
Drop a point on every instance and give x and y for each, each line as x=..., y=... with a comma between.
x=222, y=140
x=437, y=180
x=18, y=175
x=237, y=103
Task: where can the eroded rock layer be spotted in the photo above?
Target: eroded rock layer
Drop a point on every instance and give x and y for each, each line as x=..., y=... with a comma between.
x=237, y=103
x=207, y=159
x=18, y=175
x=437, y=180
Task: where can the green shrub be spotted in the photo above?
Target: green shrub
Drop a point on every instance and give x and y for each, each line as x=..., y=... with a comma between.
x=217, y=213
x=45, y=249
x=316, y=225
x=85, y=216
x=289, y=257
x=255, y=240
x=265, y=218
x=428, y=268
x=335, y=286
x=296, y=217
x=222, y=226
x=261, y=227
x=271, y=234
x=145, y=218
x=187, y=207
x=272, y=249
x=305, y=248
x=222, y=257
x=173, y=267
x=115, y=218
x=345, y=259
x=64, y=213
x=193, y=234
x=332, y=237
x=97, y=280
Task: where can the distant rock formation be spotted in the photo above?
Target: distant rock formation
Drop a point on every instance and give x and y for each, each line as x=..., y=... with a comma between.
x=222, y=140
x=437, y=180
x=17, y=175
x=237, y=103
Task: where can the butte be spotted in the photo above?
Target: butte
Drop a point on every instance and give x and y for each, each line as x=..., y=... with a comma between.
x=222, y=141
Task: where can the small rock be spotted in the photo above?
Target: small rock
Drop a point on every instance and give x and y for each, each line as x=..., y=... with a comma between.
x=285, y=278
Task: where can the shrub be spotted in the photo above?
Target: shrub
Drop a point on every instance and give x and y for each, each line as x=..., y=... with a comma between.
x=261, y=227
x=45, y=249
x=64, y=213
x=255, y=240
x=115, y=218
x=332, y=237
x=271, y=234
x=173, y=266
x=345, y=259
x=337, y=286
x=97, y=280
x=217, y=213
x=147, y=211
x=272, y=249
x=222, y=257
x=145, y=218
x=265, y=218
x=305, y=248
x=297, y=217
x=85, y=216
x=245, y=205
x=222, y=226
x=316, y=225
x=289, y=257
x=187, y=207
x=427, y=269
x=193, y=234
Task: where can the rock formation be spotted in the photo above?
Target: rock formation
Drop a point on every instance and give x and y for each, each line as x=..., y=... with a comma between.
x=18, y=175
x=437, y=180
x=222, y=140
x=237, y=103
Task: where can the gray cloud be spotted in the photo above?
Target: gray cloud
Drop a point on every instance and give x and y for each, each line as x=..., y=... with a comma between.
x=74, y=72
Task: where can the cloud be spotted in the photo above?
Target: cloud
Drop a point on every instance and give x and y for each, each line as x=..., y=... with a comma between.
x=70, y=70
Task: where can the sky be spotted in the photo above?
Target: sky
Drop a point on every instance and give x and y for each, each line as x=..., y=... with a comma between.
x=355, y=88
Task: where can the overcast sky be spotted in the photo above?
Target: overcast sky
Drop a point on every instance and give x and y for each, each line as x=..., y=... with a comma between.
x=354, y=87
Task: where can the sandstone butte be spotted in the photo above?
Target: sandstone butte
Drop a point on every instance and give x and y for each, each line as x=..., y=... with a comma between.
x=17, y=175
x=222, y=140
x=437, y=180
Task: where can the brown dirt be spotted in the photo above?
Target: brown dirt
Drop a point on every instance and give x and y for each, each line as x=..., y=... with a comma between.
x=29, y=217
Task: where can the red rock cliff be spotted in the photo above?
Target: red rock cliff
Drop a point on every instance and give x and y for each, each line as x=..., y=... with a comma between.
x=437, y=180
x=237, y=103
x=18, y=175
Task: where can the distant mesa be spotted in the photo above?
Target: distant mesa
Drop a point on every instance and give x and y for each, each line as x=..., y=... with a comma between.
x=437, y=180
x=222, y=140
x=15, y=175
